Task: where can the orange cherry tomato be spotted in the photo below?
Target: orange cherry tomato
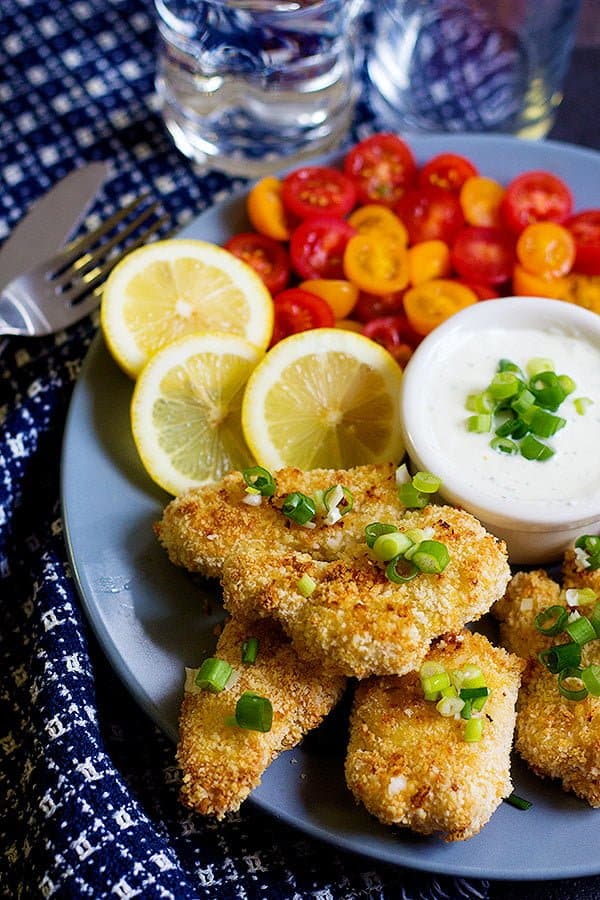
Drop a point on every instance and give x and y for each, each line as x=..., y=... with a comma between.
x=480, y=199
x=349, y=325
x=584, y=290
x=376, y=218
x=341, y=295
x=429, y=304
x=546, y=248
x=427, y=260
x=526, y=284
x=266, y=211
x=376, y=265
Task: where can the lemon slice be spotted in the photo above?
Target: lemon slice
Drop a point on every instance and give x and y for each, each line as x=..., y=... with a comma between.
x=170, y=288
x=186, y=410
x=327, y=398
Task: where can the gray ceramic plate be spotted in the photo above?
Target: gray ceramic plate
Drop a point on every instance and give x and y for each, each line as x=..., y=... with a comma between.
x=152, y=619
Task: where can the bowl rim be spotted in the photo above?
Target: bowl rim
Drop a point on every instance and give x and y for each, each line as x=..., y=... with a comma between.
x=508, y=312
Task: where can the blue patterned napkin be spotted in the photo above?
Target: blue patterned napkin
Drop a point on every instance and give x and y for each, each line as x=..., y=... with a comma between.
x=88, y=785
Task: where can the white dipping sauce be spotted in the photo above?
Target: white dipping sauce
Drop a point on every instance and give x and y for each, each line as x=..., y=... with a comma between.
x=465, y=365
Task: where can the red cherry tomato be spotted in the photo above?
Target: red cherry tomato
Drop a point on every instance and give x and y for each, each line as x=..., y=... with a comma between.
x=482, y=254
x=429, y=214
x=317, y=247
x=535, y=197
x=382, y=168
x=585, y=228
x=316, y=190
x=369, y=307
x=396, y=334
x=265, y=255
x=297, y=310
x=483, y=291
x=448, y=171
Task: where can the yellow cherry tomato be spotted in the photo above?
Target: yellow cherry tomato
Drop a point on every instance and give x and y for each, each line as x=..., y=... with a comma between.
x=526, y=284
x=546, y=248
x=427, y=260
x=349, y=325
x=429, y=304
x=480, y=200
x=375, y=264
x=341, y=295
x=375, y=218
x=265, y=209
x=584, y=290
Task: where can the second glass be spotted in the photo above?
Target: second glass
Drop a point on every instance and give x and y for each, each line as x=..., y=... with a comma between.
x=251, y=84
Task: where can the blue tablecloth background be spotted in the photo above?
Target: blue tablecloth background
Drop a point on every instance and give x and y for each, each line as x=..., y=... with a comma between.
x=88, y=785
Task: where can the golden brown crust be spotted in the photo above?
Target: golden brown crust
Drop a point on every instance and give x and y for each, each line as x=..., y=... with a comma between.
x=221, y=764
x=576, y=575
x=411, y=767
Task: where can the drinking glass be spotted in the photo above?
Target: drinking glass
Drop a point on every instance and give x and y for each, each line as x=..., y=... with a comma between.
x=471, y=65
x=251, y=84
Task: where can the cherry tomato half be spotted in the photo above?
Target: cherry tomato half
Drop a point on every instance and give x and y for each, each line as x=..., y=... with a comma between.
x=317, y=247
x=480, y=199
x=429, y=259
x=265, y=209
x=267, y=257
x=341, y=295
x=396, y=334
x=382, y=167
x=297, y=310
x=375, y=264
x=526, y=284
x=482, y=291
x=483, y=254
x=446, y=170
x=318, y=190
x=429, y=304
x=371, y=306
x=535, y=197
x=585, y=228
x=546, y=248
x=429, y=214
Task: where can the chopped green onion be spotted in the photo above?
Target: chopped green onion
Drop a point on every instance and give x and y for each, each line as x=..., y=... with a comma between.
x=523, y=402
x=589, y=542
x=471, y=677
x=480, y=403
x=387, y=546
x=431, y=557
x=504, y=445
x=473, y=730
x=426, y=482
x=402, y=474
x=562, y=656
x=449, y=706
x=479, y=424
x=259, y=479
x=467, y=709
x=543, y=423
x=531, y=448
x=299, y=508
x=504, y=385
x=538, y=364
x=250, y=650
x=340, y=497
x=595, y=619
x=551, y=621
x=435, y=682
x=507, y=365
x=578, y=690
x=306, y=585
x=213, y=675
x=253, y=712
x=547, y=390
x=518, y=802
x=581, y=404
x=412, y=498
x=581, y=630
x=567, y=384
x=375, y=529
x=580, y=596
x=473, y=693
x=400, y=570
x=591, y=679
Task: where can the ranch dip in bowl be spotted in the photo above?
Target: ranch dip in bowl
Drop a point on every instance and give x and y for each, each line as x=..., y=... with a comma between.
x=502, y=402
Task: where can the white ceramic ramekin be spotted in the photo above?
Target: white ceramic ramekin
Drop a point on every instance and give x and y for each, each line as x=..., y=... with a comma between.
x=535, y=530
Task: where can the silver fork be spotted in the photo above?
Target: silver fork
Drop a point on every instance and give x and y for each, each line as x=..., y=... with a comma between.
x=56, y=293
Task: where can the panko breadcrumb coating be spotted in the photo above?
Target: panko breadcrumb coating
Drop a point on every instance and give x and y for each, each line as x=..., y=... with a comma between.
x=576, y=574
x=221, y=763
x=558, y=738
x=357, y=621
x=410, y=766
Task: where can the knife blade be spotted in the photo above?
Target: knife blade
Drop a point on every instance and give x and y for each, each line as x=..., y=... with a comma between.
x=50, y=220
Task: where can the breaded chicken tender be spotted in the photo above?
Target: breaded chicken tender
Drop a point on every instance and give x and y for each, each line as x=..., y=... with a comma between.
x=205, y=525
x=576, y=573
x=557, y=737
x=356, y=621
x=411, y=766
x=222, y=763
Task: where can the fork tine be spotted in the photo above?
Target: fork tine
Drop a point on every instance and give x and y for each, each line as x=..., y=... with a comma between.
x=85, y=263
x=97, y=276
x=75, y=249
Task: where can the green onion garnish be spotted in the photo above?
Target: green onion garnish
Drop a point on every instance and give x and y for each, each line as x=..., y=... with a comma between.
x=560, y=657
x=523, y=402
x=426, y=482
x=543, y=423
x=388, y=546
x=504, y=385
x=590, y=544
x=531, y=448
x=259, y=479
x=250, y=650
x=480, y=424
x=431, y=557
x=581, y=630
x=435, y=683
x=213, y=675
x=480, y=403
x=551, y=621
x=507, y=365
x=375, y=529
x=473, y=693
x=548, y=390
x=571, y=685
x=538, y=364
x=400, y=570
x=306, y=585
x=595, y=619
x=253, y=712
x=591, y=679
x=518, y=802
x=504, y=445
x=299, y=508
x=338, y=497
x=411, y=497
x=473, y=730
x=581, y=404
x=567, y=384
